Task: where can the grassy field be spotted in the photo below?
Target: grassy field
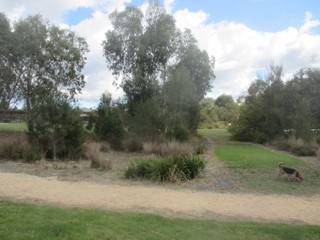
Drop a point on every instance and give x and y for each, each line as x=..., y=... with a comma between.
x=215, y=134
x=13, y=127
x=26, y=221
x=255, y=167
x=242, y=155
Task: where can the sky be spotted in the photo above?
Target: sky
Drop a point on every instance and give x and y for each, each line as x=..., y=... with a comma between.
x=244, y=36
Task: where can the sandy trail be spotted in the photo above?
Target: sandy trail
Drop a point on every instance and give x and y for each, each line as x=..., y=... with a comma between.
x=185, y=203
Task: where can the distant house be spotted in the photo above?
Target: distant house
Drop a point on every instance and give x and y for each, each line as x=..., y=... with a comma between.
x=13, y=116
x=85, y=113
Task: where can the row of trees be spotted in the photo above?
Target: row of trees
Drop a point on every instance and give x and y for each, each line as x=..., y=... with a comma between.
x=162, y=71
x=220, y=112
x=273, y=106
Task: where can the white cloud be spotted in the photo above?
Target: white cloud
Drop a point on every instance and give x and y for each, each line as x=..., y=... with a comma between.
x=309, y=23
x=54, y=10
x=241, y=52
x=168, y=5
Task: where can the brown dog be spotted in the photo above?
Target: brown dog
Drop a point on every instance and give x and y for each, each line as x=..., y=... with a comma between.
x=295, y=175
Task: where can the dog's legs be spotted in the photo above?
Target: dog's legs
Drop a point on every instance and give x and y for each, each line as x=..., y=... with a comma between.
x=294, y=177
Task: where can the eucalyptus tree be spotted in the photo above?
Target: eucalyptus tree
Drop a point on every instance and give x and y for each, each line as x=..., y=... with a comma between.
x=47, y=59
x=43, y=60
x=8, y=87
x=151, y=56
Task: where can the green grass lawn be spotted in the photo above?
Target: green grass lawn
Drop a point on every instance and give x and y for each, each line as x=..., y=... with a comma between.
x=243, y=155
x=13, y=127
x=215, y=134
x=26, y=221
x=257, y=167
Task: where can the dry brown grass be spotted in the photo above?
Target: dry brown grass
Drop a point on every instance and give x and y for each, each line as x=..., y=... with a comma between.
x=168, y=148
x=12, y=145
x=98, y=160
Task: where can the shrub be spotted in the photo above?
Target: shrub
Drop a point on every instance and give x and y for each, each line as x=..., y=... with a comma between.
x=172, y=169
x=179, y=133
x=199, y=149
x=298, y=146
x=31, y=155
x=56, y=128
x=145, y=117
x=303, y=150
x=108, y=123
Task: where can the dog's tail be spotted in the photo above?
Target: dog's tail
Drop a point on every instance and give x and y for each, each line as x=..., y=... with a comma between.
x=281, y=164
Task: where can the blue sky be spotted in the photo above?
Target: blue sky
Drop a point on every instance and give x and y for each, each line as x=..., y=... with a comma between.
x=263, y=15
x=244, y=36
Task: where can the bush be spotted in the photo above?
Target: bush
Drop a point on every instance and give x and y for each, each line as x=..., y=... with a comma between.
x=55, y=128
x=179, y=133
x=108, y=124
x=31, y=155
x=172, y=169
x=298, y=146
x=199, y=149
x=303, y=150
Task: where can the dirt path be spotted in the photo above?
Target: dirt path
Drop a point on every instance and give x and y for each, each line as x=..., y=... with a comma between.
x=153, y=199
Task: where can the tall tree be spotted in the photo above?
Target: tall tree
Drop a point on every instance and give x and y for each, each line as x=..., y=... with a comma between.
x=8, y=85
x=43, y=60
x=148, y=52
x=47, y=59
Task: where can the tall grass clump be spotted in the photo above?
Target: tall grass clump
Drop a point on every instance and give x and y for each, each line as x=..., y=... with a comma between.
x=15, y=146
x=168, y=148
x=173, y=168
x=94, y=154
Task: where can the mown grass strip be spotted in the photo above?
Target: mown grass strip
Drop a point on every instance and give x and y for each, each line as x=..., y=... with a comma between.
x=26, y=221
x=242, y=155
x=13, y=127
x=209, y=133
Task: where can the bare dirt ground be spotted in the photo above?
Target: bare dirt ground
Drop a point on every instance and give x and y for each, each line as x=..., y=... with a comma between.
x=76, y=185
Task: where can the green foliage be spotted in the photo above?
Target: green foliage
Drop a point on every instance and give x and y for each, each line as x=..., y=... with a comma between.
x=250, y=124
x=162, y=69
x=146, y=119
x=57, y=128
x=182, y=102
x=173, y=168
x=218, y=113
x=31, y=155
x=273, y=106
x=177, y=129
x=40, y=59
x=200, y=149
x=108, y=123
